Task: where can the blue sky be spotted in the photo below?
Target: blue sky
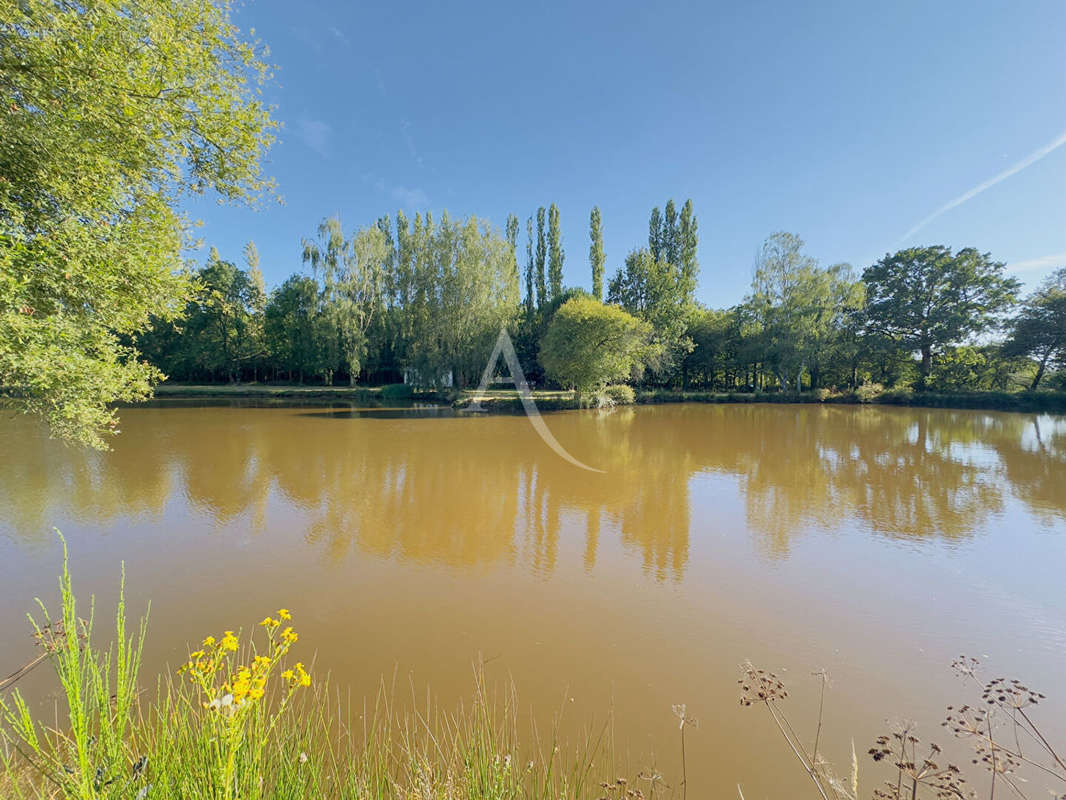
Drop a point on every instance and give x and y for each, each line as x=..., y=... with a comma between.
x=848, y=123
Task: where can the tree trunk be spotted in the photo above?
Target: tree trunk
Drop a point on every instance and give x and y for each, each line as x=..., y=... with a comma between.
x=927, y=364
x=1039, y=374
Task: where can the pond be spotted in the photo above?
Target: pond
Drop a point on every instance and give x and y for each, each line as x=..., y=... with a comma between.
x=878, y=544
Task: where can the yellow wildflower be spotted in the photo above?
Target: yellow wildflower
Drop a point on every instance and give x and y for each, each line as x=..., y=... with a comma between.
x=302, y=678
x=287, y=674
x=284, y=613
x=229, y=642
x=267, y=622
x=209, y=641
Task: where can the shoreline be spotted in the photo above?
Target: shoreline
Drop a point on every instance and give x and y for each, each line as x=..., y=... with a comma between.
x=507, y=401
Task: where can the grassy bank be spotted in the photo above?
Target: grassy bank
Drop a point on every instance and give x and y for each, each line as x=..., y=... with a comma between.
x=243, y=719
x=507, y=400
x=294, y=391
x=1053, y=402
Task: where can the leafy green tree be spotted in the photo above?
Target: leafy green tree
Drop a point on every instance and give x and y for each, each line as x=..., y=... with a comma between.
x=1039, y=330
x=967, y=368
x=655, y=233
x=220, y=335
x=512, y=240
x=466, y=290
x=671, y=234
x=797, y=307
x=689, y=235
x=928, y=298
x=657, y=292
x=227, y=325
x=257, y=301
x=111, y=114
x=596, y=254
x=353, y=274
x=589, y=344
x=531, y=302
x=294, y=328
x=555, y=253
x=542, y=253
x=714, y=346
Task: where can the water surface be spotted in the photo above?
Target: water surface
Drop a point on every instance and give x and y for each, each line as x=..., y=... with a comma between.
x=876, y=543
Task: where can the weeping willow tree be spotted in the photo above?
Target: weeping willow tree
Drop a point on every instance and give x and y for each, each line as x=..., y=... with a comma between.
x=354, y=274
x=460, y=287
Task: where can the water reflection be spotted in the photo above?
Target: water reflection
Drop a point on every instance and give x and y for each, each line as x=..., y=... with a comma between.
x=465, y=492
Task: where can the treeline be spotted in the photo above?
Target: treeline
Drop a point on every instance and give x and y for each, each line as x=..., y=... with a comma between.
x=923, y=317
x=422, y=300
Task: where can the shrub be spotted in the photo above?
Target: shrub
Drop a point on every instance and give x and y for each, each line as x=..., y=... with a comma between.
x=622, y=394
x=867, y=392
x=397, y=391
x=588, y=344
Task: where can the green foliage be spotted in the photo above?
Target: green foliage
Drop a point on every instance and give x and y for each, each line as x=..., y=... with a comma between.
x=100, y=688
x=716, y=344
x=354, y=274
x=555, y=254
x=542, y=254
x=596, y=254
x=621, y=394
x=589, y=344
x=655, y=234
x=397, y=391
x=927, y=298
x=1039, y=331
x=221, y=330
x=796, y=308
x=868, y=392
x=296, y=331
x=242, y=720
x=110, y=114
x=657, y=292
x=531, y=283
x=689, y=242
x=966, y=368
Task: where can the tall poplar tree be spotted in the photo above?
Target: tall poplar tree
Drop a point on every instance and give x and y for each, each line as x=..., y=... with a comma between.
x=530, y=269
x=555, y=254
x=255, y=278
x=670, y=242
x=542, y=252
x=596, y=255
x=512, y=239
x=689, y=233
x=655, y=233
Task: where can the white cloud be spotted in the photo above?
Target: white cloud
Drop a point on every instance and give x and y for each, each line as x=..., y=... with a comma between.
x=1029, y=160
x=316, y=134
x=410, y=198
x=1033, y=264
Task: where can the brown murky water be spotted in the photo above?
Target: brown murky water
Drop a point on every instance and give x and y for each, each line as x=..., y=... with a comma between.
x=876, y=543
